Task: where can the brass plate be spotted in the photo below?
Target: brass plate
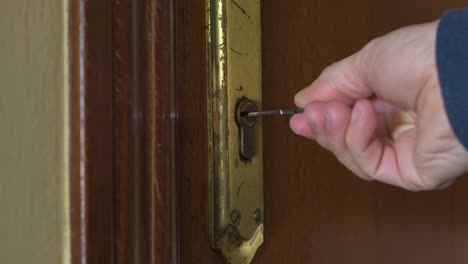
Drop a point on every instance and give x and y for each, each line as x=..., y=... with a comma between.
x=234, y=72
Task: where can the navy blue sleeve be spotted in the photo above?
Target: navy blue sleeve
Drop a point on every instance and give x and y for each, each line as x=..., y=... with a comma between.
x=452, y=66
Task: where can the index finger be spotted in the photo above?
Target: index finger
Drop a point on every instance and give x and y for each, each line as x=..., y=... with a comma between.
x=342, y=81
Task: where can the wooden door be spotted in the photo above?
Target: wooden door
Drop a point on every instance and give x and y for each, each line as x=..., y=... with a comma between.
x=139, y=142
x=315, y=210
x=105, y=139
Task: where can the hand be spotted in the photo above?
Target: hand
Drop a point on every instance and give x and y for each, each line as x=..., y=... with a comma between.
x=381, y=113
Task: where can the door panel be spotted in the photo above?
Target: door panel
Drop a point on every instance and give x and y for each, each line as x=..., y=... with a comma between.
x=315, y=210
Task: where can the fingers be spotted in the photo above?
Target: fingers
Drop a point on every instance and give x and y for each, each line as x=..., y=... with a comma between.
x=380, y=158
x=327, y=124
x=343, y=81
x=340, y=116
x=365, y=148
x=351, y=134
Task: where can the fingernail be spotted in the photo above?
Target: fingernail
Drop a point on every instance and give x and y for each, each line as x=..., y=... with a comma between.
x=355, y=114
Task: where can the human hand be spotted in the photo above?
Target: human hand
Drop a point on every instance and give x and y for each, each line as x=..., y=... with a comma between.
x=381, y=113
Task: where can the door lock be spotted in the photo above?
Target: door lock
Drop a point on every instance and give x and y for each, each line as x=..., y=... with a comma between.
x=246, y=128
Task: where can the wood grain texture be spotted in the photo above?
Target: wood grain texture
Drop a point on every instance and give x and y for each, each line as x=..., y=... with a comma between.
x=33, y=132
x=91, y=132
x=129, y=118
x=161, y=130
x=122, y=132
x=145, y=200
x=146, y=230
x=315, y=210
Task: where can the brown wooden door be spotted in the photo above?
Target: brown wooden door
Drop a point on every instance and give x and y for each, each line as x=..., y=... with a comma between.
x=315, y=210
x=139, y=142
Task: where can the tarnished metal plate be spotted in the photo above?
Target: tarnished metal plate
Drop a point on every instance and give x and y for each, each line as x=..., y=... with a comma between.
x=234, y=72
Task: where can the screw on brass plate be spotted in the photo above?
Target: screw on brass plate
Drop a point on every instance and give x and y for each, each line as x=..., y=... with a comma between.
x=235, y=217
x=258, y=216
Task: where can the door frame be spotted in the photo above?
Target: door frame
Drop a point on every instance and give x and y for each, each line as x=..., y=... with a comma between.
x=122, y=132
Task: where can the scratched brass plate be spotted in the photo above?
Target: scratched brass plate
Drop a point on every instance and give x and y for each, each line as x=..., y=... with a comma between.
x=234, y=71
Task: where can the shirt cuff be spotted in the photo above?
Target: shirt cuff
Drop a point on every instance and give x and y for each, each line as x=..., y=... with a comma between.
x=452, y=66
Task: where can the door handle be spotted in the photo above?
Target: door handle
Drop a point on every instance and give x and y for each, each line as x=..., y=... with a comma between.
x=235, y=141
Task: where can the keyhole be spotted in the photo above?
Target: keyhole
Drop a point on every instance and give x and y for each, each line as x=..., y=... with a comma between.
x=246, y=128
